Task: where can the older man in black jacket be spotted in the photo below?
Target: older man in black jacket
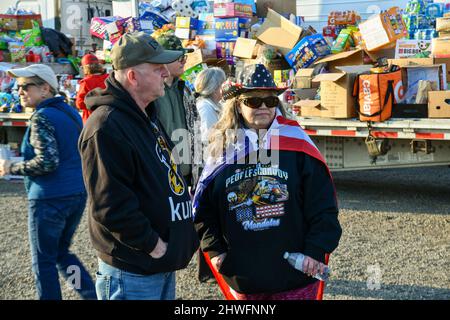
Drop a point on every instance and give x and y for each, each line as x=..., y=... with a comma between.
x=140, y=217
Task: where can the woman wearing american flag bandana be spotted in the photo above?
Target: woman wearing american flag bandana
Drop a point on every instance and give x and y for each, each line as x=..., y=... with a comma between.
x=265, y=190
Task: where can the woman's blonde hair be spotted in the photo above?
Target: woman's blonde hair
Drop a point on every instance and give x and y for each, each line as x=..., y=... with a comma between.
x=225, y=132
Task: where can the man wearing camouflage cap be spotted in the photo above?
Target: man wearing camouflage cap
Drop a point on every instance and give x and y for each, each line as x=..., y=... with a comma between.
x=140, y=217
x=176, y=109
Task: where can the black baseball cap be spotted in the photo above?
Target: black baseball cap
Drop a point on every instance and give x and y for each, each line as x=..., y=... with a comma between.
x=136, y=48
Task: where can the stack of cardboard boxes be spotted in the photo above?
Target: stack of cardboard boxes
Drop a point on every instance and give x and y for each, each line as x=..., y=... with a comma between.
x=439, y=101
x=322, y=84
x=441, y=45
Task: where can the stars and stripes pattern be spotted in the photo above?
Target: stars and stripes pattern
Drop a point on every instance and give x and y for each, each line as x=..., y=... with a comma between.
x=244, y=214
x=253, y=77
x=269, y=211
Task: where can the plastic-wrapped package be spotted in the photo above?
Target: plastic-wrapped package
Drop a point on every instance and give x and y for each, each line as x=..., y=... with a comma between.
x=17, y=51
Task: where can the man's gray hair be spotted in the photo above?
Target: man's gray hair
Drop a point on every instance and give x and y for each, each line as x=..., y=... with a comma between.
x=209, y=80
x=121, y=76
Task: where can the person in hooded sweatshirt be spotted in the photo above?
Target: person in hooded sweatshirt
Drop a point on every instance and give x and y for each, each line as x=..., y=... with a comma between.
x=176, y=109
x=140, y=216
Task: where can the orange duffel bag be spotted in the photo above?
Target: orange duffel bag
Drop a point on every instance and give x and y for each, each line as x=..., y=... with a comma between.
x=375, y=95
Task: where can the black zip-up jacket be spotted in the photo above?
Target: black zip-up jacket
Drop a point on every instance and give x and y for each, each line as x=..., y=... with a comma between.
x=136, y=193
x=255, y=213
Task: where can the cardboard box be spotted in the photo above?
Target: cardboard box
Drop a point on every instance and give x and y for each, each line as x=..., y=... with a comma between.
x=206, y=24
x=348, y=58
x=18, y=22
x=199, y=57
x=336, y=99
x=408, y=48
x=230, y=10
x=210, y=45
x=444, y=34
x=224, y=50
x=445, y=61
x=441, y=47
x=439, y=104
x=383, y=29
x=343, y=18
x=303, y=79
x=387, y=52
x=279, y=32
x=193, y=59
x=186, y=23
x=185, y=33
x=283, y=78
x=310, y=108
x=308, y=50
x=232, y=28
x=411, y=62
x=245, y=48
x=413, y=73
x=304, y=94
x=443, y=24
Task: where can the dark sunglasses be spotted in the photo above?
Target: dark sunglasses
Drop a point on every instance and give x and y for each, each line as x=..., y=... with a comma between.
x=26, y=86
x=256, y=102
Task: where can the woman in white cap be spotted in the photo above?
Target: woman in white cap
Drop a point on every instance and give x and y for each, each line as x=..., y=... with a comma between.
x=53, y=181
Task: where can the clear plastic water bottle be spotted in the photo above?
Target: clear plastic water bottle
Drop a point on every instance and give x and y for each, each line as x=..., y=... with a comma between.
x=295, y=259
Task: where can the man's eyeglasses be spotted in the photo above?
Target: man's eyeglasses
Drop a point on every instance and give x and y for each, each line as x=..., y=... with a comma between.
x=182, y=58
x=256, y=102
x=26, y=86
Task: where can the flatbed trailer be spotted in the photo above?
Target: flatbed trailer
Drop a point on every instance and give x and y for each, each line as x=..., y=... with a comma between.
x=412, y=142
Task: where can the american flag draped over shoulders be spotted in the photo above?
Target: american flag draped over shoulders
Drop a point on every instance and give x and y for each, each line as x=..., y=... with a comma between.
x=283, y=134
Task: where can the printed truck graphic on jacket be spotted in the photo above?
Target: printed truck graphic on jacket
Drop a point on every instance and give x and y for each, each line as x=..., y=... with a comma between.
x=257, y=199
x=269, y=191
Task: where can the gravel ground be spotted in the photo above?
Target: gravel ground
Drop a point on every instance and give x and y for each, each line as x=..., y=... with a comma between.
x=395, y=242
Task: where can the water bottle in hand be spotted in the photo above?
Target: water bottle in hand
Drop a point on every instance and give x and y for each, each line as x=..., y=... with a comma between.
x=295, y=259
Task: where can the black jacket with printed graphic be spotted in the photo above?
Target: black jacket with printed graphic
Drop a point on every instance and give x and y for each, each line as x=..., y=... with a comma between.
x=136, y=194
x=255, y=213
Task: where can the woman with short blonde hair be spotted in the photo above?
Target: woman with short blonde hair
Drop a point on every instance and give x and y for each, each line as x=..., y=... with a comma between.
x=208, y=86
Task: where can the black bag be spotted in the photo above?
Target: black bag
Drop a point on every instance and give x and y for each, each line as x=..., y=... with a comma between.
x=57, y=42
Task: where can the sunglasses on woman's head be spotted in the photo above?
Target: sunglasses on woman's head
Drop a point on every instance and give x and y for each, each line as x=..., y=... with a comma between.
x=256, y=102
x=26, y=86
